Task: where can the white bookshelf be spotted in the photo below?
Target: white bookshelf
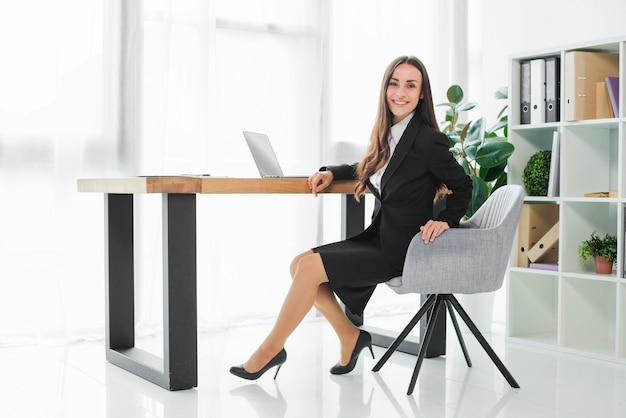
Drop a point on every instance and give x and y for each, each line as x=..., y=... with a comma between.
x=573, y=309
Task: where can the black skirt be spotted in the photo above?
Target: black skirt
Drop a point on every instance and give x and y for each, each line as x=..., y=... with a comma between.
x=355, y=266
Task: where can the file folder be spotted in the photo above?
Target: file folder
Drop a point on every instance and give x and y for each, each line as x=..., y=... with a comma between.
x=553, y=89
x=603, y=104
x=535, y=220
x=538, y=90
x=583, y=69
x=524, y=92
x=546, y=247
x=555, y=164
x=612, y=84
x=545, y=266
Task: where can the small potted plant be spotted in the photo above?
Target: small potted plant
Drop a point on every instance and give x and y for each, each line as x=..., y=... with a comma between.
x=602, y=250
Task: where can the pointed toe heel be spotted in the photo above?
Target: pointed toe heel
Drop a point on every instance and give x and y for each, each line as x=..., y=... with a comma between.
x=278, y=360
x=364, y=340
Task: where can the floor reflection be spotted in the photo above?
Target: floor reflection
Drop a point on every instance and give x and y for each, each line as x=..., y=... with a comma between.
x=129, y=394
x=75, y=381
x=265, y=404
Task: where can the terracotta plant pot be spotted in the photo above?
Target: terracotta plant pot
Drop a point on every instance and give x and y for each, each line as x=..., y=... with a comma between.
x=603, y=266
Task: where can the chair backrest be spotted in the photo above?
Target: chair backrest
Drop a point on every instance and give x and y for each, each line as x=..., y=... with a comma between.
x=470, y=259
x=500, y=205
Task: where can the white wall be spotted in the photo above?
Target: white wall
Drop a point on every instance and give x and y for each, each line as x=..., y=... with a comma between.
x=514, y=27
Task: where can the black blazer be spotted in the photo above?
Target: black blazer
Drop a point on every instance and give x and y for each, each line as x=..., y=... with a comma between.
x=421, y=161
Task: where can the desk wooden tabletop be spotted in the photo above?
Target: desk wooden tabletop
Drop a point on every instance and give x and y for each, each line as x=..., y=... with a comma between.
x=203, y=184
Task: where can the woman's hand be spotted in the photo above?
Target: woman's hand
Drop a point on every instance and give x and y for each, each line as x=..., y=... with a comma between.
x=319, y=181
x=432, y=230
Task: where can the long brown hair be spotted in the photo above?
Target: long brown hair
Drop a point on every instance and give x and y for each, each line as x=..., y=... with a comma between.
x=378, y=150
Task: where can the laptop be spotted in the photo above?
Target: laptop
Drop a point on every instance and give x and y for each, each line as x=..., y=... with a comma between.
x=264, y=156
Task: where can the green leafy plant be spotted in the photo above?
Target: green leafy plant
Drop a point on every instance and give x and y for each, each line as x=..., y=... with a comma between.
x=597, y=246
x=536, y=174
x=482, y=152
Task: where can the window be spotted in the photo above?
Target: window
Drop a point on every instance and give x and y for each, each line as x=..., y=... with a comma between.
x=210, y=71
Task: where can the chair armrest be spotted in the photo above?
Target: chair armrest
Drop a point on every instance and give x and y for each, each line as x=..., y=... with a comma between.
x=461, y=260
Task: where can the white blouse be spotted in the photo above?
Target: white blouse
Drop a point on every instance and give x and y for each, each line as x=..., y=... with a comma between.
x=394, y=137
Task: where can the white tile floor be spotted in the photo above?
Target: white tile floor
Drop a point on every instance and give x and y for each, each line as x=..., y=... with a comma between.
x=75, y=381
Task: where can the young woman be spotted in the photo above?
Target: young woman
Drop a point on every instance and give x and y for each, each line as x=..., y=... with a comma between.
x=407, y=162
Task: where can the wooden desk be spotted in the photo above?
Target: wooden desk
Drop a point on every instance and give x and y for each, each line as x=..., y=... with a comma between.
x=199, y=185
x=178, y=369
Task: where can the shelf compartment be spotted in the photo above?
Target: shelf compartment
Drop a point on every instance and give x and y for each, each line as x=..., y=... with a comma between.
x=588, y=315
x=527, y=141
x=578, y=220
x=533, y=306
x=589, y=159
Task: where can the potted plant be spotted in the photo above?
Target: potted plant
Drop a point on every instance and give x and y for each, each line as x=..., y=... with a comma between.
x=602, y=250
x=536, y=175
x=482, y=152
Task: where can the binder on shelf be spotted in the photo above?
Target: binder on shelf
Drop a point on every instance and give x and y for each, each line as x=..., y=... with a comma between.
x=612, y=84
x=583, y=69
x=546, y=246
x=524, y=86
x=538, y=90
x=603, y=103
x=555, y=158
x=535, y=220
x=553, y=87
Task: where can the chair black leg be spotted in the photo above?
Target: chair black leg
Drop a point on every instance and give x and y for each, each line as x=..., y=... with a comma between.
x=458, y=333
x=507, y=375
x=396, y=343
x=425, y=341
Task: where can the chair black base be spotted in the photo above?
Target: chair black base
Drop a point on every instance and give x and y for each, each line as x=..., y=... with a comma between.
x=437, y=302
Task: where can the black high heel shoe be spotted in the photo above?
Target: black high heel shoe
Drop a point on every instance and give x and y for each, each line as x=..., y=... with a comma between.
x=278, y=361
x=364, y=340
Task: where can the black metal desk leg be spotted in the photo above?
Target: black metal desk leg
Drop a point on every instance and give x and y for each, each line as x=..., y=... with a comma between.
x=120, y=271
x=178, y=368
x=352, y=216
x=179, y=290
x=437, y=345
x=352, y=223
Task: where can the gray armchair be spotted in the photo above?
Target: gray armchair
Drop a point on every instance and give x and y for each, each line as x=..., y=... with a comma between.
x=470, y=259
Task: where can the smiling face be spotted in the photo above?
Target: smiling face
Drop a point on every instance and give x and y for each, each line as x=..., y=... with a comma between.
x=404, y=91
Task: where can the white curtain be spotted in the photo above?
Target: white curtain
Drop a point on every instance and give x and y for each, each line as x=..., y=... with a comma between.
x=58, y=122
x=112, y=88
x=209, y=73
